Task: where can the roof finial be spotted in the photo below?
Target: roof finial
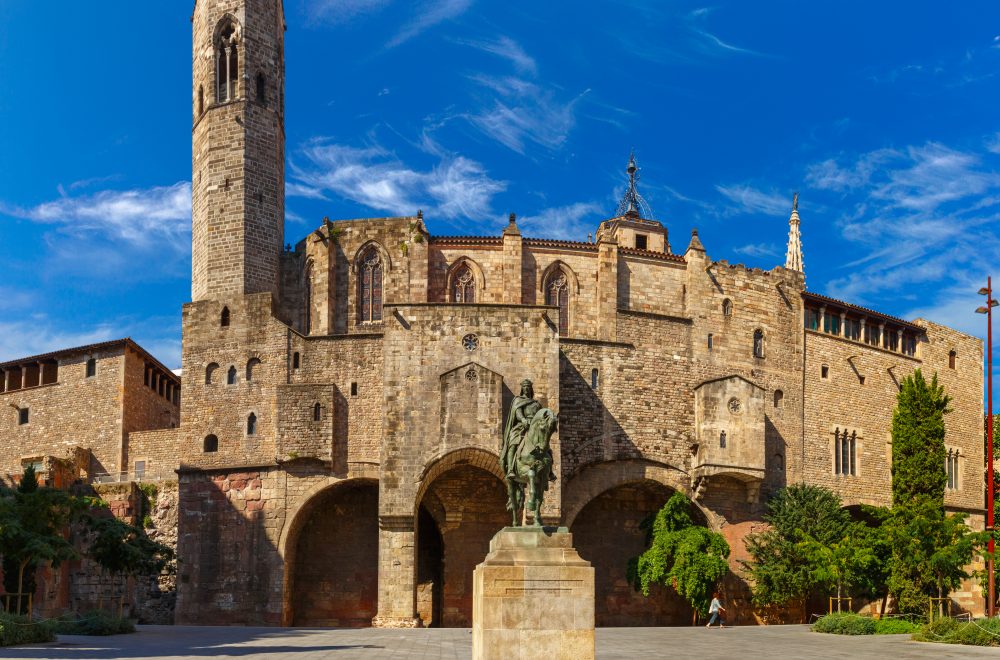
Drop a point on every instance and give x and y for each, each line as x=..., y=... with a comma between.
x=632, y=203
x=793, y=256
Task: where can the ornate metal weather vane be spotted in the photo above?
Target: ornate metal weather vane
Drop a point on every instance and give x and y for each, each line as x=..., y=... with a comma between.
x=632, y=202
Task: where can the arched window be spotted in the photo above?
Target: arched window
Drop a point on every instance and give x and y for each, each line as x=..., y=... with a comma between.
x=722, y=440
x=727, y=307
x=779, y=461
x=227, y=59
x=370, y=270
x=317, y=412
x=758, y=343
x=779, y=398
x=210, y=444
x=201, y=100
x=210, y=372
x=231, y=376
x=252, y=424
x=251, y=365
x=91, y=368
x=261, y=88
x=463, y=289
x=557, y=295
x=224, y=318
x=952, y=355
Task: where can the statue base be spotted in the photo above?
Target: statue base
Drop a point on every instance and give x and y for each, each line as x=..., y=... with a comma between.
x=533, y=597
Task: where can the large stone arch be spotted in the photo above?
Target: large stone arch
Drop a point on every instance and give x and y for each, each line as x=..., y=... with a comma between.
x=459, y=507
x=605, y=506
x=596, y=478
x=330, y=550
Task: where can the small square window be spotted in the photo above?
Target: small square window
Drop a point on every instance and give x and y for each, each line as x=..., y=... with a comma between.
x=824, y=371
x=22, y=416
x=140, y=469
x=641, y=241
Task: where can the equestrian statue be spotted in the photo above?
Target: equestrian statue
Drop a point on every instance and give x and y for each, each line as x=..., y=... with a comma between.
x=525, y=455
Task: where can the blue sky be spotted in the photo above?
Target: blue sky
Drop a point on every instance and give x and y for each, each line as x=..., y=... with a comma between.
x=882, y=115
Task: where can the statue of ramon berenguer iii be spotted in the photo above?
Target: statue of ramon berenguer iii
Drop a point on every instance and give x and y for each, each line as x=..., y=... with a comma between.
x=525, y=455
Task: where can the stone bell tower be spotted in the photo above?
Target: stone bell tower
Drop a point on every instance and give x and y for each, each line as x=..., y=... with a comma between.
x=238, y=141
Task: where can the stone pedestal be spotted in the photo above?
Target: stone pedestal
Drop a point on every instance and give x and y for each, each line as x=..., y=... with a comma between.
x=533, y=597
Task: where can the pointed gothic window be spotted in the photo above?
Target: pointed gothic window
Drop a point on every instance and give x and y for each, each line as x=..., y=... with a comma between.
x=370, y=286
x=231, y=376
x=464, y=285
x=727, y=307
x=557, y=295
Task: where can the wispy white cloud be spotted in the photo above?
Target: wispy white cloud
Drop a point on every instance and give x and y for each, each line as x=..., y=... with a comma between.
x=920, y=218
x=522, y=111
x=751, y=200
x=674, y=37
x=572, y=222
x=342, y=11
x=993, y=144
x=757, y=250
x=508, y=49
x=141, y=217
x=456, y=187
x=427, y=16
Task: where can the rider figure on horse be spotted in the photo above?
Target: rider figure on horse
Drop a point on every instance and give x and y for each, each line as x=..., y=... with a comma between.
x=525, y=456
x=522, y=409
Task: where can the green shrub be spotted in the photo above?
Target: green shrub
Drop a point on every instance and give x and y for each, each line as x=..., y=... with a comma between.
x=948, y=631
x=92, y=623
x=895, y=627
x=845, y=623
x=939, y=630
x=16, y=630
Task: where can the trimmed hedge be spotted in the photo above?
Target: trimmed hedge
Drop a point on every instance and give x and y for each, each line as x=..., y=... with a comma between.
x=16, y=630
x=845, y=623
x=895, y=627
x=985, y=632
x=92, y=623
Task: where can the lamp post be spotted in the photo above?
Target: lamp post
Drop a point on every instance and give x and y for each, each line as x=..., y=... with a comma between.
x=987, y=309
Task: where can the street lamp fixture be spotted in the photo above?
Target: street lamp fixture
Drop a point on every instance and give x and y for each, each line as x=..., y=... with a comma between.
x=987, y=309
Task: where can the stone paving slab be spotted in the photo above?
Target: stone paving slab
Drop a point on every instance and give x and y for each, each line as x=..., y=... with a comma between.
x=743, y=643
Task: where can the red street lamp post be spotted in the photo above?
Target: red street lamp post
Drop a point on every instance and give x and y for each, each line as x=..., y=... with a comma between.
x=987, y=309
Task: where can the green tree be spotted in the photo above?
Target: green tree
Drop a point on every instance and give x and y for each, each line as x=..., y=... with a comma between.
x=35, y=523
x=681, y=555
x=918, y=452
x=784, y=565
x=922, y=536
x=843, y=564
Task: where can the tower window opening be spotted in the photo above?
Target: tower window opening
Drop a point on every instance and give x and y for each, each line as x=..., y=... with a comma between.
x=201, y=100
x=252, y=424
x=711, y=342
x=317, y=412
x=758, y=343
x=952, y=356
x=251, y=365
x=231, y=376
x=824, y=372
x=210, y=445
x=224, y=318
x=722, y=439
x=951, y=467
x=23, y=415
x=91, y=368
x=593, y=379
x=210, y=372
x=228, y=64
x=641, y=241
x=779, y=398
x=845, y=453
x=295, y=361
x=261, y=88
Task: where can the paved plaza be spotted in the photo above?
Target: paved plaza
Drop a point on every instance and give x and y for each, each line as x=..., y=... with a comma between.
x=770, y=642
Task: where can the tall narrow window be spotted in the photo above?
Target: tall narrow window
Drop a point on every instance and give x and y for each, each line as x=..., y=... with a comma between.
x=231, y=376
x=464, y=285
x=845, y=452
x=228, y=63
x=370, y=273
x=727, y=307
x=224, y=317
x=711, y=343
x=91, y=368
x=593, y=379
x=951, y=467
x=210, y=372
x=307, y=300
x=779, y=398
x=210, y=444
x=758, y=343
x=252, y=424
x=951, y=359
x=22, y=416
x=824, y=372
x=295, y=361
x=201, y=100
x=261, y=89
x=722, y=440
x=317, y=412
x=557, y=295
x=251, y=366
x=354, y=389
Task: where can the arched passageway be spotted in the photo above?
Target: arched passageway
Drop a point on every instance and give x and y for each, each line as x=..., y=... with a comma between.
x=459, y=513
x=333, y=558
x=606, y=533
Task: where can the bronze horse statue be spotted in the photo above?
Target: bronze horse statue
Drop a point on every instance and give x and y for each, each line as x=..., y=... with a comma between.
x=531, y=467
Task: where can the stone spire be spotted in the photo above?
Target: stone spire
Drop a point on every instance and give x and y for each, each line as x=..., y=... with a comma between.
x=793, y=258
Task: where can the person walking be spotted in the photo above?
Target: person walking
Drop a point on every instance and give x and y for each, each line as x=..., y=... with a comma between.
x=716, y=610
